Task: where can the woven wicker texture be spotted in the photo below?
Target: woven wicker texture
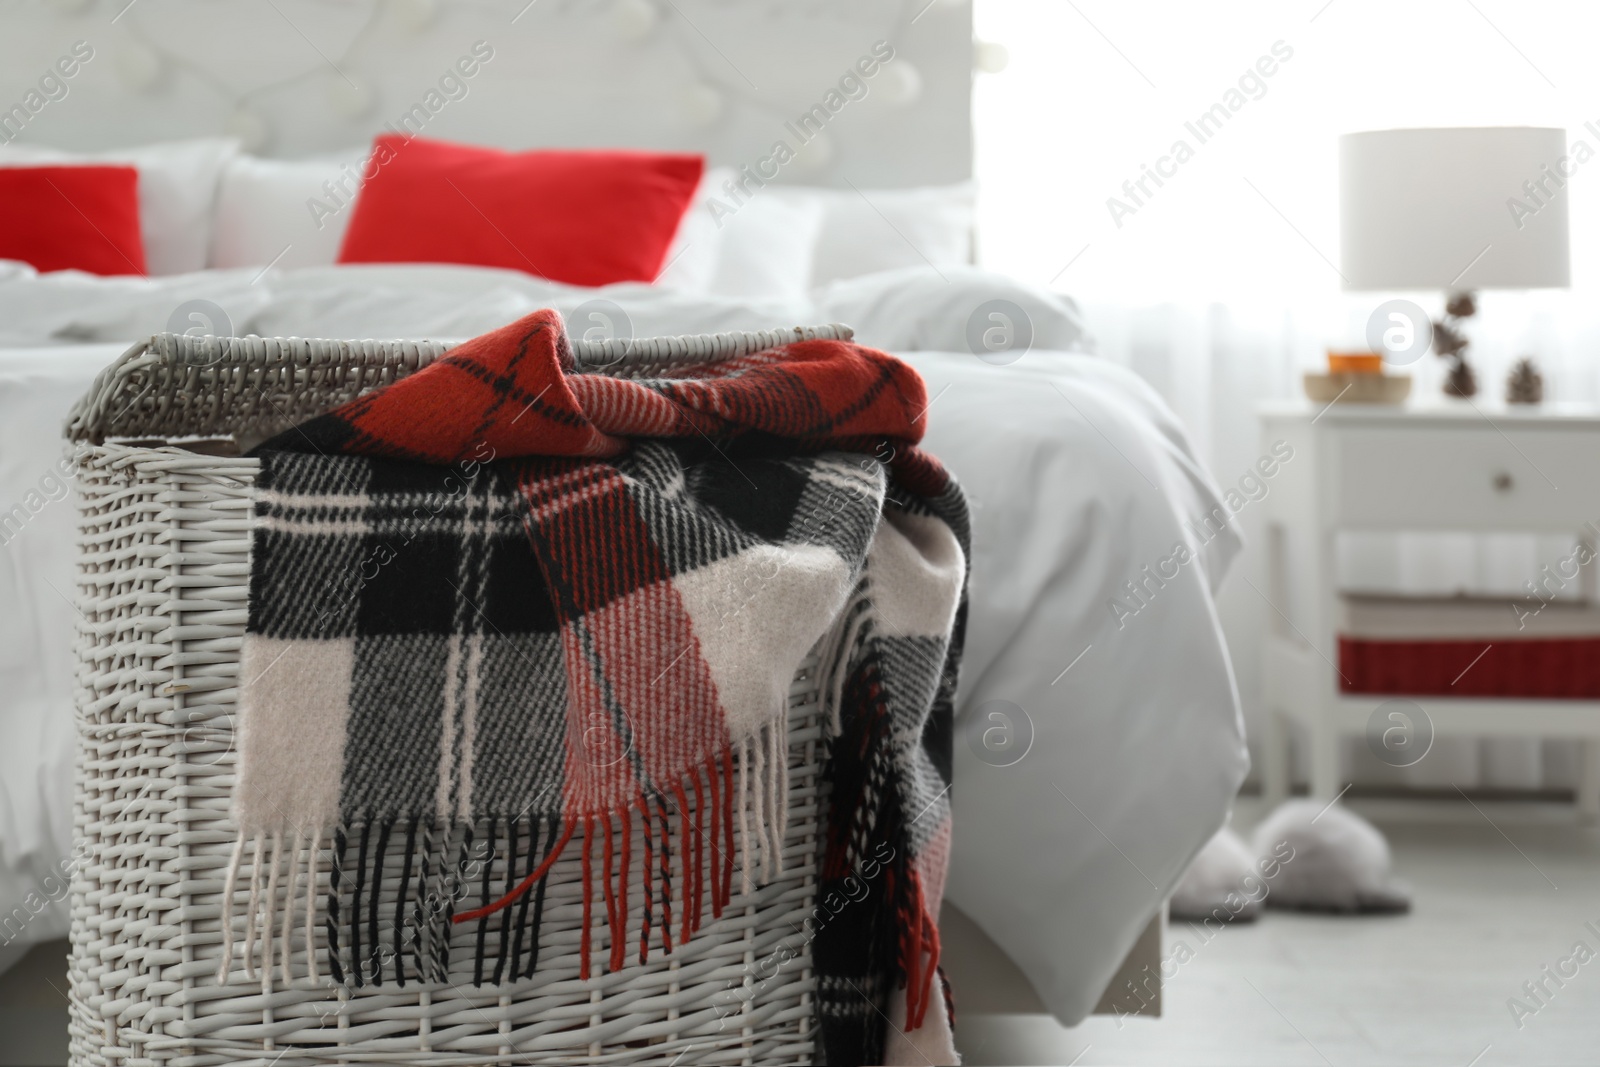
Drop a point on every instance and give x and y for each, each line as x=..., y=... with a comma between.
x=162, y=586
x=250, y=388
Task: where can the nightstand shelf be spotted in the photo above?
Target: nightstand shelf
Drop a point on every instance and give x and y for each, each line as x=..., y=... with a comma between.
x=1446, y=468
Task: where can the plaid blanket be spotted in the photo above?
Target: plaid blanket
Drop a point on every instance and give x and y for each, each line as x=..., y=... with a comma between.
x=502, y=608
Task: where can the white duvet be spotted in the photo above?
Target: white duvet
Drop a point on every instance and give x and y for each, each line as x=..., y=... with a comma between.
x=1079, y=476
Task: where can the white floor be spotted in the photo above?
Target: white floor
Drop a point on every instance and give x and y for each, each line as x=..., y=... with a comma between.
x=1499, y=895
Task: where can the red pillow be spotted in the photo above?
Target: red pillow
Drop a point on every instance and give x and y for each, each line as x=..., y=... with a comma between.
x=72, y=218
x=586, y=218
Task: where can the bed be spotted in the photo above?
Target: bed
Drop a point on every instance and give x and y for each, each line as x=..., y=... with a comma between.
x=1122, y=742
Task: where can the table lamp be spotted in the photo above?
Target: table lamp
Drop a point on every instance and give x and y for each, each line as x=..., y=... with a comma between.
x=1458, y=210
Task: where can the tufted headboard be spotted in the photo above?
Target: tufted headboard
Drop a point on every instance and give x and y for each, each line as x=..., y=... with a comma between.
x=298, y=77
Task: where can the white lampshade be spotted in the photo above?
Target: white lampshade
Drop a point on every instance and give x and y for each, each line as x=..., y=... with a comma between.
x=1471, y=208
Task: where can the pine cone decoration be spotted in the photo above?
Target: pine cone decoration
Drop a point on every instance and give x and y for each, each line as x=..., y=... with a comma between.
x=1524, y=385
x=1461, y=382
x=1447, y=340
x=1450, y=342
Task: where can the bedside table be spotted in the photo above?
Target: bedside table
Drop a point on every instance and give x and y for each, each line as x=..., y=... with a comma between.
x=1430, y=468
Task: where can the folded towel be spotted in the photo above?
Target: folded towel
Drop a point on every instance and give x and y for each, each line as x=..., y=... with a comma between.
x=503, y=607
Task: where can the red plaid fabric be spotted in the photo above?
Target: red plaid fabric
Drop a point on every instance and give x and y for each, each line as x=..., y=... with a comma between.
x=518, y=391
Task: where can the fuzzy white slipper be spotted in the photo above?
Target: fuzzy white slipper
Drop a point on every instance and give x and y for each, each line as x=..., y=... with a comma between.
x=1222, y=883
x=1331, y=859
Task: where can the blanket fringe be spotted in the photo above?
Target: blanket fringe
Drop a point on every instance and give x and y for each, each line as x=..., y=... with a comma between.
x=778, y=787
x=385, y=929
x=313, y=856
x=255, y=910
x=746, y=757
x=919, y=952
x=230, y=882
x=286, y=939
x=666, y=877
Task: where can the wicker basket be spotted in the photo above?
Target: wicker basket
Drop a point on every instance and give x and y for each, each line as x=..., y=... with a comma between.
x=162, y=583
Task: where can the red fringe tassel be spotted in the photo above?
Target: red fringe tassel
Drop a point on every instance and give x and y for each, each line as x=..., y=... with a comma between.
x=727, y=827
x=919, y=951
x=649, y=877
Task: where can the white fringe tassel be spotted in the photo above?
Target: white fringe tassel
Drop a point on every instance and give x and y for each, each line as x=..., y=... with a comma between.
x=229, y=883
x=270, y=915
x=746, y=884
x=287, y=938
x=778, y=780
x=763, y=799
x=313, y=860
x=253, y=915
x=758, y=747
x=268, y=927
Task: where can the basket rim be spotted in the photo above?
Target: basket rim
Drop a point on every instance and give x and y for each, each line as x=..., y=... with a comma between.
x=177, y=385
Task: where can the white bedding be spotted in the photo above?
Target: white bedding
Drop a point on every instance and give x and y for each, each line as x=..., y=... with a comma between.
x=1079, y=477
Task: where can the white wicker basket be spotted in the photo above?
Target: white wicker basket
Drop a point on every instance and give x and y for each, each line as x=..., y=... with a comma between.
x=162, y=583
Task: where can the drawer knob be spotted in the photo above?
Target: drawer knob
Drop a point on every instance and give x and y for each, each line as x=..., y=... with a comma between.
x=1502, y=482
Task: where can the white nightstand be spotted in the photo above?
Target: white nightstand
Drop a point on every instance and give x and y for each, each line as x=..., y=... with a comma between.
x=1452, y=468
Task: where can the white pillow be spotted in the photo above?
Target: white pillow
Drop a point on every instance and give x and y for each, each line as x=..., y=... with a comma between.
x=691, y=264
x=766, y=246
x=177, y=188
x=914, y=309
x=884, y=229
x=290, y=213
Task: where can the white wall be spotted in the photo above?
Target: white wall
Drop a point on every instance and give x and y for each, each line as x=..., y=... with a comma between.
x=1222, y=286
